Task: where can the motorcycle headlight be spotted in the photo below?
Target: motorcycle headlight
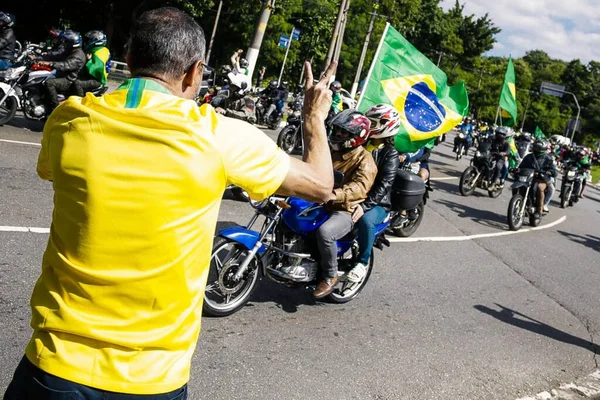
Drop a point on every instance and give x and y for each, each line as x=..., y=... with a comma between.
x=297, y=113
x=523, y=178
x=571, y=174
x=477, y=154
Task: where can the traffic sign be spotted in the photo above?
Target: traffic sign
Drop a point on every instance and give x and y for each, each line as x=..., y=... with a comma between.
x=296, y=34
x=283, y=40
x=552, y=89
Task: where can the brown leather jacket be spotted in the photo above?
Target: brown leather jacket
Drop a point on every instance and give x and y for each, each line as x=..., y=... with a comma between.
x=359, y=171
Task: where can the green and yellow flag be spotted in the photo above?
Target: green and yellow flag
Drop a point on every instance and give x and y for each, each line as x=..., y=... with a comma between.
x=538, y=133
x=508, y=97
x=403, y=77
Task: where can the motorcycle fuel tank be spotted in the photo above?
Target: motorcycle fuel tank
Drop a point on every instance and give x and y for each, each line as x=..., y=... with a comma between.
x=304, y=217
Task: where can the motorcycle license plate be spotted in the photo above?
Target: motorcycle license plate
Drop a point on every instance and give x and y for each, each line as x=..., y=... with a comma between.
x=523, y=178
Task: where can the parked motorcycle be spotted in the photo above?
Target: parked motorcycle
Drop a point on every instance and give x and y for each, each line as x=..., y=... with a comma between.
x=407, y=218
x=571, y=187
x=481, y=172
x=290, y=137
x=22, y=87
x=522, y=204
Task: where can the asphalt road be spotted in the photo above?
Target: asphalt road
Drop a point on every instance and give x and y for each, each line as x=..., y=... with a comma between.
x=490, y=318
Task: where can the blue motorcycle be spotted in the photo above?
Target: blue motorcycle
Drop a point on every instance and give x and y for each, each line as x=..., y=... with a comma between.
x=284, y=250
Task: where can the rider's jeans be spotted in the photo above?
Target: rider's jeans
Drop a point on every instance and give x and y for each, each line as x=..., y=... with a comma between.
x=4, y=65
x=549, y=193
x=31, y=383
x=366, y=232
x=500, y=165
x=336, y=227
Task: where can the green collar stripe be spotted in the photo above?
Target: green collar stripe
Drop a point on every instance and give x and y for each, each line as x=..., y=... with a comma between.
x=135, y=89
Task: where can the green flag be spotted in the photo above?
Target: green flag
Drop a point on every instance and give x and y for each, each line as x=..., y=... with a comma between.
x=403, y=77
x=508, y=97
x=538, y=133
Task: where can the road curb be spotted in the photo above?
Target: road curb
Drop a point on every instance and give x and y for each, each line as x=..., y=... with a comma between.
x=587, y=388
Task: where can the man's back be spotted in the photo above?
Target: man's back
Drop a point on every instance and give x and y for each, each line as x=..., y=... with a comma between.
x=138, y=178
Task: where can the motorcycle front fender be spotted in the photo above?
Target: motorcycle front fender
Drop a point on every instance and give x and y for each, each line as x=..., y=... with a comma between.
x=5, y=88
x=243, y=236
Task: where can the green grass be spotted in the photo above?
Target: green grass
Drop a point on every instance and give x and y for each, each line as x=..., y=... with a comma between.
x=595, y=173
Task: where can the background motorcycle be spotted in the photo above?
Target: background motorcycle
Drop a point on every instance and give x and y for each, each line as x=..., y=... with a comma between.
x=290, y=137
x=571, y=187
x=240, y=255
x=522, y=204
x=409, y=197
x=481, y=172
x=460, y=145
x=263, y=105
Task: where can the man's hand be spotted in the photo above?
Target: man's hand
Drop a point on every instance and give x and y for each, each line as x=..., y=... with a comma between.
x=220, y=110
x=88, y=56
x=402, y=158
x=357, y=213
x=317, y=97
x=47, y=63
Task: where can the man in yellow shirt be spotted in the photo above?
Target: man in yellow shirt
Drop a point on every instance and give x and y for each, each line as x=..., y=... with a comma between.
x=138, y=176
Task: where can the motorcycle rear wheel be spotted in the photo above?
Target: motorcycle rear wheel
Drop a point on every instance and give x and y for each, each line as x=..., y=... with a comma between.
x=467, y=183
x=8, y=109
x=494, y=194
x=223, y=286
x=287, y=139
x=408, y=230
x=347, y=291
x=515, y=222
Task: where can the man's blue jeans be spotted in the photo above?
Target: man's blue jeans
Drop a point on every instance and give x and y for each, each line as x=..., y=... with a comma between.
x=31, y=383
x=4, y=65
x=366, y=232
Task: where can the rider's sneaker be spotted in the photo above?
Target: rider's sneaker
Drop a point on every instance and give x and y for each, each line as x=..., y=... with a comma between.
x=546, y=209
x=357, y=273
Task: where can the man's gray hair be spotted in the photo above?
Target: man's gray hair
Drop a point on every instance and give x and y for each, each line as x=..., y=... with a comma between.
x=165, y=42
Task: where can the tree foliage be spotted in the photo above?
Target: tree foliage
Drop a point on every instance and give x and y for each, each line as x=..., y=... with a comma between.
x=454, y=38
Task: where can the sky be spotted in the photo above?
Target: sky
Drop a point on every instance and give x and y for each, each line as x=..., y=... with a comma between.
x=565, y=29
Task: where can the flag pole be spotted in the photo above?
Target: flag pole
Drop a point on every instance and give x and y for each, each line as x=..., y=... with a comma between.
x=362, y=92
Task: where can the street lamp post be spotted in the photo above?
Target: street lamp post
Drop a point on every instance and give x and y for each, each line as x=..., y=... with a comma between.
x=363, y=54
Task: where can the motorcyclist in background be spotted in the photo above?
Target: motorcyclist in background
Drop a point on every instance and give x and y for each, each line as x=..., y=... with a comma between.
x=67, y=69
x=541, y=162
x=275, y=96
x=467, y=129
x=337, y=104
x=581, y=159
x=385, y=124
x=239, y=106
x=8, y=41
x=55, y=48
x=97, y=67
x=500, y=148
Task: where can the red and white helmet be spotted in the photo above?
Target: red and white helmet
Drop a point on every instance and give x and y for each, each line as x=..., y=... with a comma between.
x=350, y=129
x=385, y=121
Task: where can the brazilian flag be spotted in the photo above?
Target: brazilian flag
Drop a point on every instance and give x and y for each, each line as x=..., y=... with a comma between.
x=538, y=133
x=508, y=97
x=403, y=77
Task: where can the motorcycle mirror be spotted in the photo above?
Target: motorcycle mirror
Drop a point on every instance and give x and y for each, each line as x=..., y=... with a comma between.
x=338, y=179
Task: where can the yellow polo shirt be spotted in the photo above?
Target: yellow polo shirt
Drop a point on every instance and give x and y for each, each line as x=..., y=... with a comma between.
x=138, y=176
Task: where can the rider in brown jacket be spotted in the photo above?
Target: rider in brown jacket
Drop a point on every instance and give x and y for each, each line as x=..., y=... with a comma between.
x=350, y=132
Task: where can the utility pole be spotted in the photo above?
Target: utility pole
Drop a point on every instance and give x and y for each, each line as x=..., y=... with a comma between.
x=363, y=54
x=334, y=34
x=214, y=31
x=259, y=33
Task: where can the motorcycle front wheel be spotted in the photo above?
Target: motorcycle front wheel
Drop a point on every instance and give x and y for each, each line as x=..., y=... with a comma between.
x=287, y=139
x=467, y=183
x=8, y=109
x=223, y=295
x=565, y=195
x=515, y=219
x=494, y=194
x=346, y=291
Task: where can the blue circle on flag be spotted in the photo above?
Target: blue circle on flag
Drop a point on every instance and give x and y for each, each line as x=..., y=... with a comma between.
x=423, y=109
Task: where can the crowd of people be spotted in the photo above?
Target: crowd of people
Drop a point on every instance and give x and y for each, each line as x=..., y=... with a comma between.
x=80, y=64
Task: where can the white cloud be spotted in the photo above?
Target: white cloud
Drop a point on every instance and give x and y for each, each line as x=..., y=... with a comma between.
x=565, y=29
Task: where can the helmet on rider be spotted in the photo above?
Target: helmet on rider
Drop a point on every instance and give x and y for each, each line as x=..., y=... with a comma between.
x=350, y=129
x=385, y=121
x=581, y=153
x=273, y=84
x=6, y=21
x=502, y=133
x=526, y=136
x=244, y=63
x=238, y=84
x=93, y=39
x=335, y=86
x=540, y=147
x=71, y=38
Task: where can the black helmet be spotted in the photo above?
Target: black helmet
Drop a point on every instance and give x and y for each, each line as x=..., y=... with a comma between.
x=6, y=20
x=526, y=136
x=335, y=86
x=540, y=147
x=350, y=129
x=94, y=39
x=244, y=63
x=501, y=133
x=273, y=84
x=71, y=38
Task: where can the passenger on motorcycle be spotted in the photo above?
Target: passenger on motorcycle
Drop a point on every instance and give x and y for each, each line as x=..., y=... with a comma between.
x=541, y=162
x=500, y=148
x=465, y=128
x=67, y=69
x=580, y=158
x=239, y=106
x=95, y=72
x=350, y=130
x=7, y=41
x=385, y=124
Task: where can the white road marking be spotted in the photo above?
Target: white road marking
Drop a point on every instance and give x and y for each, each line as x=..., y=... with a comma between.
x=473, y=237
x=24, y=229
x=445, y=178
x=18, y=142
